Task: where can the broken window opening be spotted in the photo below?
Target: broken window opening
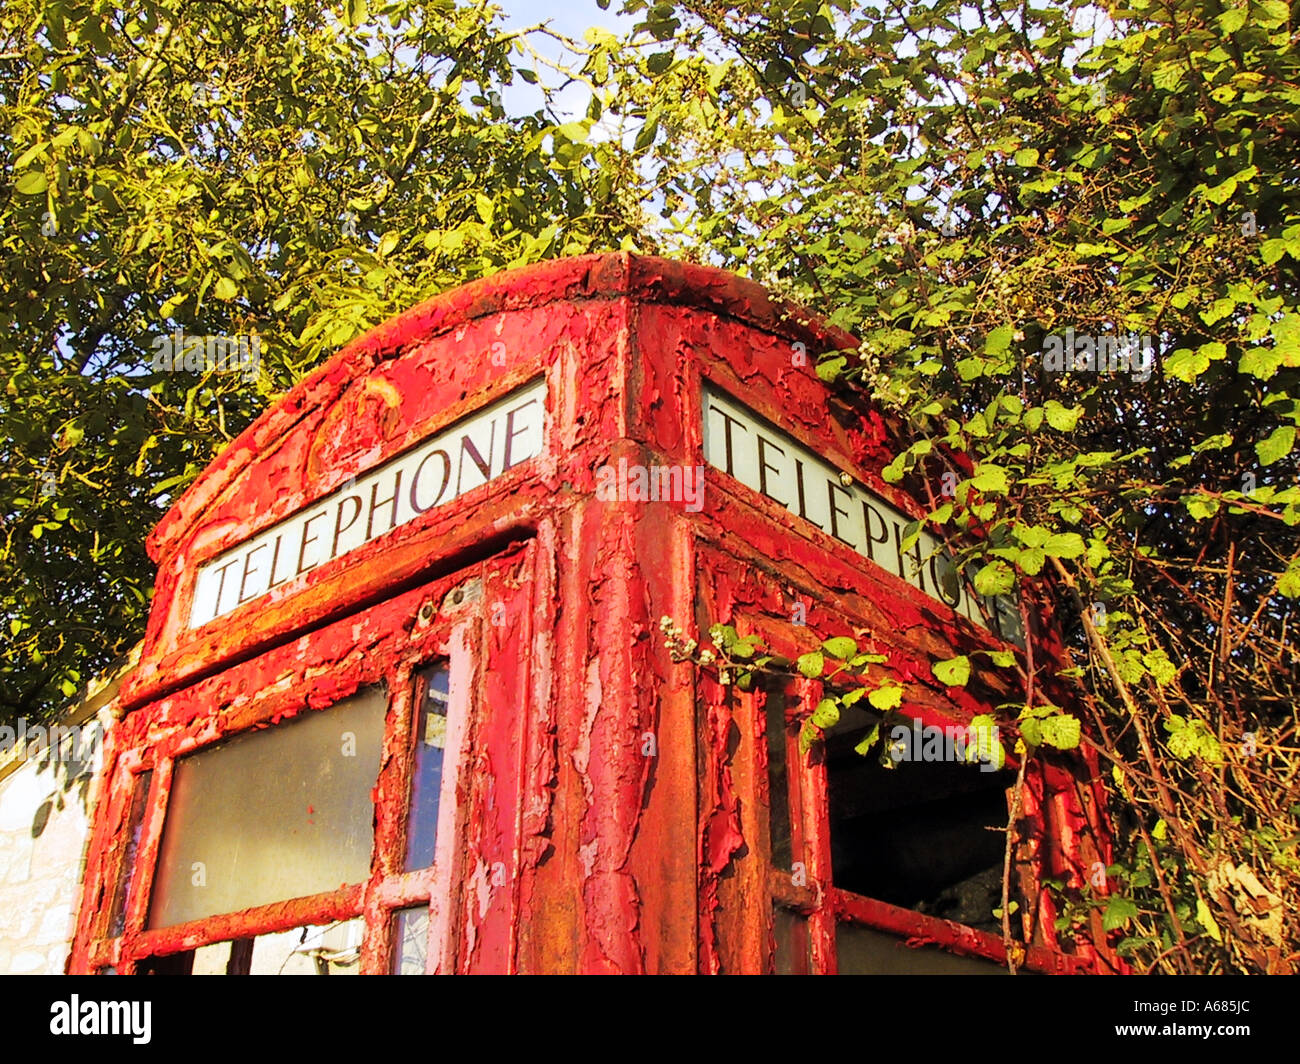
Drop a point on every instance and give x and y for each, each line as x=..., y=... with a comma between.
x=920, y=827
x=928, y=833
x=332, y=949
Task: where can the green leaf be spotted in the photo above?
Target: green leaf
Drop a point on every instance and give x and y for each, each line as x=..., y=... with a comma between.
x=1271, y=13
x=954, y=672
x=869, y=740
x=886, y=696
x=1289, y=583
x=991, y=479
x=811, y=665
x=646, y=135
x=1276, y=446
x=1233, y=19
x=1272, y=250
x=1061, y=418
x=31, y=183
x=225, y=288
x=827, y=713
x=1061, y=732
x=1160, y=667
x=829, y=369
x=1027, y=157
x=1064, y=545
x=1186, y=365
x=1221, y=192
x=354, y=12
x=841, y=647
x=1119, y=911
x=999, y=339
x=995, y=578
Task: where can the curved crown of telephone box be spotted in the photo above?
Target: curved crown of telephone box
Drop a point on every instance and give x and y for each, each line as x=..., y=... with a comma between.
x=621, y=344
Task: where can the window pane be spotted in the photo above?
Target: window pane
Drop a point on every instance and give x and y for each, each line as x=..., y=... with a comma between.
x=916, y=834
x=334, y=949
x=410, y=940
x=135, y=821
x=426, y=774
x=280, y=813
x=863, y=951
x=778, y=781
x=790, y=930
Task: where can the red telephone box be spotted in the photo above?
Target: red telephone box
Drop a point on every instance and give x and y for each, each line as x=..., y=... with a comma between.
x=404, y=703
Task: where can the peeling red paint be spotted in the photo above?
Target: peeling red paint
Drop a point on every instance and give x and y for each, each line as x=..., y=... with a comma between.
x=609, y=802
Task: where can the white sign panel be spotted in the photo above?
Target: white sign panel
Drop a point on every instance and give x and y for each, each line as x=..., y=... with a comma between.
x=774, y=464
x=440, y=469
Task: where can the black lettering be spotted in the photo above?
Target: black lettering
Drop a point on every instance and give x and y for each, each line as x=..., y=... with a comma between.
x=763, y=467
x=831, y=489
x=869, y=511
x=392, y=516
x=275, y=560
x=511, y=434
x=415, y=481
x=244, y=579
x=726, y=436
x=484, y=465
x=302, y=549
x=803, y=510
x=339, y=526
x=221, y=586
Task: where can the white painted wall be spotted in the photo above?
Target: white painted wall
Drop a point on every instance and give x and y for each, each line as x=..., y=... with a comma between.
x=45, y=818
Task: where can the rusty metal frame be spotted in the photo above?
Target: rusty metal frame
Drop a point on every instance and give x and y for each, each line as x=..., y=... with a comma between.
x=408, y=631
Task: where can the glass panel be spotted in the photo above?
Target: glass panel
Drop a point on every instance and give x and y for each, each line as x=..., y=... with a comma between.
x=778, y=781
x=213, y=960
x=863, y=951
x=410, y=941
x=331, y=950
x=135, y=822
x=790, y=930
x=426, y=773
x=910, y=822
x=280, y=813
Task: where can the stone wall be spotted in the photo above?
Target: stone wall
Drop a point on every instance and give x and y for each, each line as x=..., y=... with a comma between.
x=48, y=782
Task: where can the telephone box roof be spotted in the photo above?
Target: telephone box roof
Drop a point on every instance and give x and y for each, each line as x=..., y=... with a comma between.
x=612, y=275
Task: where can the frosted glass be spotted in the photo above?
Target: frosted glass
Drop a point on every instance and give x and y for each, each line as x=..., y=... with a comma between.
x=284, y=812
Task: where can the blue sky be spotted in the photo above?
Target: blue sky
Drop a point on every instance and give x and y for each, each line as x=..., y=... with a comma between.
x=571, y=18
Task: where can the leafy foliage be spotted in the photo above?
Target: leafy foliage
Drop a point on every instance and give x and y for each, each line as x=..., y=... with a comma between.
x=997, y=199
x=298, y=173
x=994, y=198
